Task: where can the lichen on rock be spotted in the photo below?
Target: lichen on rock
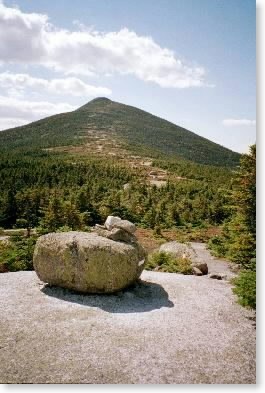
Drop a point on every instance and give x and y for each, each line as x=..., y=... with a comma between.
x=89, y=262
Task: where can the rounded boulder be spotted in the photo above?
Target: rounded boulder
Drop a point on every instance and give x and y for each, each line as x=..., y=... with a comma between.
x=87, y=262
x=179, y=250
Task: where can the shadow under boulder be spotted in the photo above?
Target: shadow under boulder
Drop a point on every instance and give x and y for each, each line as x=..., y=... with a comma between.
x=142, y=296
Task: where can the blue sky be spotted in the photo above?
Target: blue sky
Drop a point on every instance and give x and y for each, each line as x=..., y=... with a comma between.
x=189, y=61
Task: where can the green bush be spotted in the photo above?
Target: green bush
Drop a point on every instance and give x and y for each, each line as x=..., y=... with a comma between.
x=243, y=249
x=165, y=262
x=245, y=288
x=217, y=246
x=4, y=247
x=18, y=253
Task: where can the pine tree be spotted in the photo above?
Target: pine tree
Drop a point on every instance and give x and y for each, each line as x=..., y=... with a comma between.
x=8, y=210
x=53, y=215
x=239, y=237
x=71, y=216
x=28, y=204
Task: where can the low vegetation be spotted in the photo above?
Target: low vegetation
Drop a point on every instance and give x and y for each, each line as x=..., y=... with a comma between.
x=165, y=262
x=245, y=288
x=17, y=253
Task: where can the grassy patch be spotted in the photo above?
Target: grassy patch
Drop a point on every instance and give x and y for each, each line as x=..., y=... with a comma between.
x=165, y=262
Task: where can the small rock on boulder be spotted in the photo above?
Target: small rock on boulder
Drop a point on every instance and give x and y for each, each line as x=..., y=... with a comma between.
x=116, y=234
x=87, y=262
x=117, y=222
x=111, y=221
x=126, y=226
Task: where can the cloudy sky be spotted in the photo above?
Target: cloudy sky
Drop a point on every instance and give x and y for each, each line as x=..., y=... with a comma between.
x=191, y=62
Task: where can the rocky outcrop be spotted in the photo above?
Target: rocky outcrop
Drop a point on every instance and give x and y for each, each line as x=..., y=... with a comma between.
x=117, y=229
x=116, y=222
x=182, y=250
x=116, y=234
x=101, y=262
x=178, y=250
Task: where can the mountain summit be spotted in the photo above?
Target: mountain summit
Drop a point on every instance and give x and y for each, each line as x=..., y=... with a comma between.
x=96, y=101
x=138, y=129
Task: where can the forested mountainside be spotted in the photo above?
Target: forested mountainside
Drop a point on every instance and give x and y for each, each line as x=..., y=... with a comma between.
x=137, y=130
x=83, y=164
x=81, y=190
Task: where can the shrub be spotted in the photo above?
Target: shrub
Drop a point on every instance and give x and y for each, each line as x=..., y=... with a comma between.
x=64, y=228
x=217, y=246
x=18, y=254
x=165, y=262
x=243, y=249
x=157, y=231
x=4, y=247
x=245, y=288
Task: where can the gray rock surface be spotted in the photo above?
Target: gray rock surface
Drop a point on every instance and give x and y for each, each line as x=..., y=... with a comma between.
x=111, y=221
x=183, y=250
x=196, y=271
x=119, y=234
x=179, y=250
x=116, y=234
x=202, y=266
x=116, y=222
x=168, y=329
x=217, y=276
x=87, y=262
x=126, y=226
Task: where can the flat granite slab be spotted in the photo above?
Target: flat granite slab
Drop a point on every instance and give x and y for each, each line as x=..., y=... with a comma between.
x=167, y=329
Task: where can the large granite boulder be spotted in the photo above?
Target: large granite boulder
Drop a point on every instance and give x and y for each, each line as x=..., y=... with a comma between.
x=182, y=250
x=87, y=262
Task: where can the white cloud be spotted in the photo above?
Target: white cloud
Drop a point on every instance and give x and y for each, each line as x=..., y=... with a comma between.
x=15, y=112
x=7, y=122
x=30, y=39
x=71, y=86
x=238, y=122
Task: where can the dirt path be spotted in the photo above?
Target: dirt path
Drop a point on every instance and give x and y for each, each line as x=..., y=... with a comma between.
x=215, y=265
x=168, y=329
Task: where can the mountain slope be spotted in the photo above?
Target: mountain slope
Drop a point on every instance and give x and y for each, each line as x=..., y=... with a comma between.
x=138, y=129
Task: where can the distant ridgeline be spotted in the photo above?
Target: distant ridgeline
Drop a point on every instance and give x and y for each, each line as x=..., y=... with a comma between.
x=139, y=130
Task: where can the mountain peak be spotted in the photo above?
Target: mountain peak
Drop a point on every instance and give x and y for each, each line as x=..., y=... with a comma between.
x=132, y=126
x=100, y=100
x=96, y=101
